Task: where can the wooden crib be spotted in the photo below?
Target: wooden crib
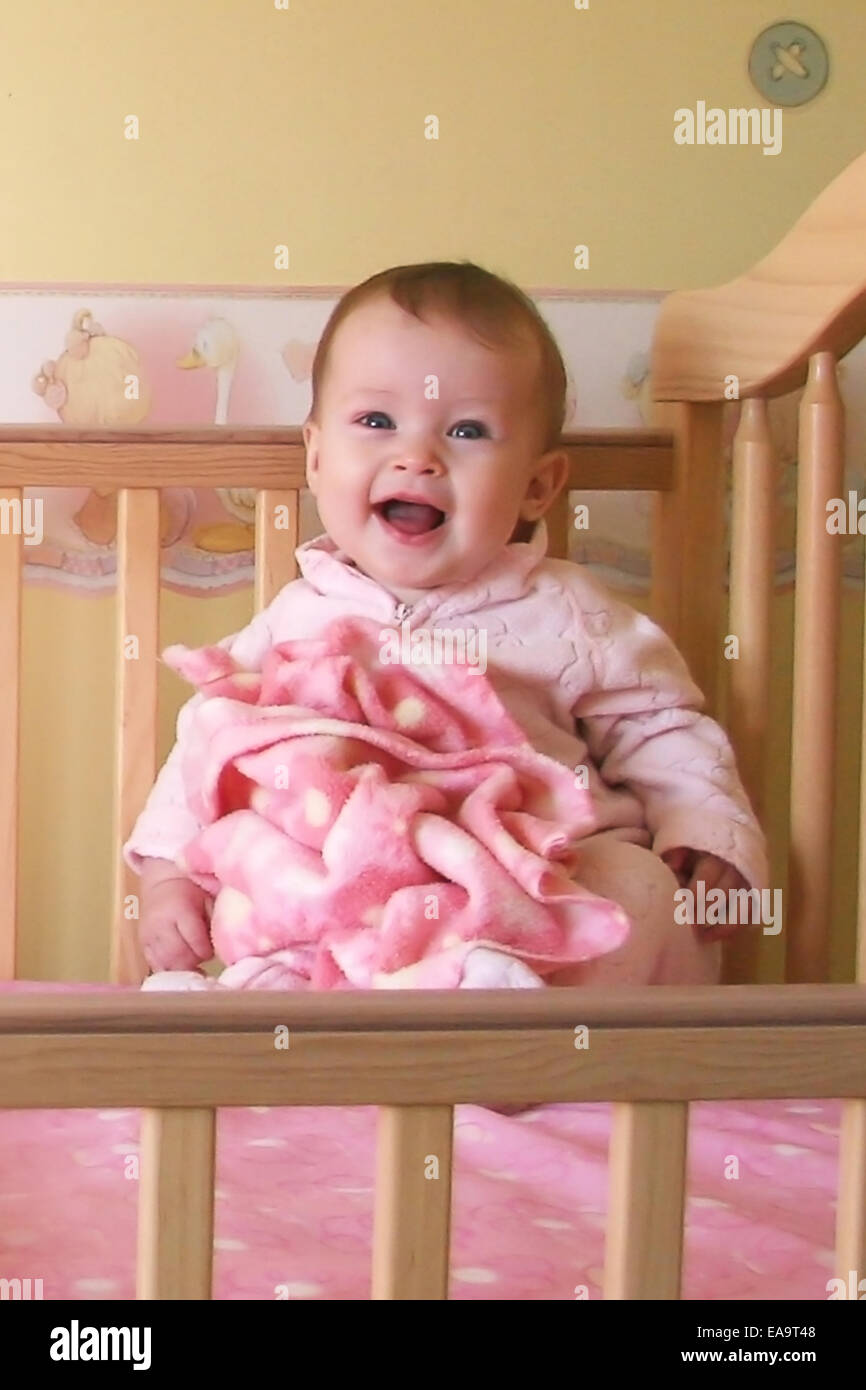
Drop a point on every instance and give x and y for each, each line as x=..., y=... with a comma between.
x=417, y=1055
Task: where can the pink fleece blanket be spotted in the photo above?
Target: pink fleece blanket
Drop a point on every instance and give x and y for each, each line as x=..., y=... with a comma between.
x=378, y=821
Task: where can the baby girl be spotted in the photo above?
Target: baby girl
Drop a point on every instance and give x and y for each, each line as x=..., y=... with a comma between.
x=438, y=401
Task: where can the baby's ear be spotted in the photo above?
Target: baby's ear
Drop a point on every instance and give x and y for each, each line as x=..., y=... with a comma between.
x=310, y=434
x=549, y=477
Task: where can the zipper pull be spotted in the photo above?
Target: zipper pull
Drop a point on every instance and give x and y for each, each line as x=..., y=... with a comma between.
x=403, y=611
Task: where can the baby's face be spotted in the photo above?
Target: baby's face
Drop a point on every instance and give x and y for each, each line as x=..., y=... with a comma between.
x=425, y=413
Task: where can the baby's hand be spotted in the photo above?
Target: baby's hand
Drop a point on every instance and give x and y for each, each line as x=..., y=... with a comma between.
x=690, y=867
x=173, y=929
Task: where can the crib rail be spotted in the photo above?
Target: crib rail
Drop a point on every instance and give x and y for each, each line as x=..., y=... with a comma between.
x=807, y=295
x=211, y=456
x=418, y=1054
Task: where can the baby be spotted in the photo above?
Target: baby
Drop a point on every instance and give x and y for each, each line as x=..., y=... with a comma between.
x=438, y=401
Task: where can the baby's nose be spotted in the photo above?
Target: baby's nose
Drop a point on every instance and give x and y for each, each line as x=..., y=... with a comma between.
x=422, y=461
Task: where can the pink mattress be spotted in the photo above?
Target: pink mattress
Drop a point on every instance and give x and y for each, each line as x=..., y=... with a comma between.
x=294, y=1201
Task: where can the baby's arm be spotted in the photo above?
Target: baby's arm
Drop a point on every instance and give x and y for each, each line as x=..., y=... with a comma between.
x=641, y=716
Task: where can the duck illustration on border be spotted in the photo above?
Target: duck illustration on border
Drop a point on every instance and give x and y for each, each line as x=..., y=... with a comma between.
x=216, y=347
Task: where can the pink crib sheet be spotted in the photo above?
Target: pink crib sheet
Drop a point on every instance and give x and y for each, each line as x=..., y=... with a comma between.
x=294, y=1201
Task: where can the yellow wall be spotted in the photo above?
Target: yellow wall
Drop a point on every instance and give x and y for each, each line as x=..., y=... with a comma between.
x=261, y=126
x=69, y=653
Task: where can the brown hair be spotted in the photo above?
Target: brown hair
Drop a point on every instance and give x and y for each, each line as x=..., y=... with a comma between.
x=493, y=309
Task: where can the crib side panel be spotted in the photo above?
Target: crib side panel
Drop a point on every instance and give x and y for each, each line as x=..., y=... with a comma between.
x=652, y=1053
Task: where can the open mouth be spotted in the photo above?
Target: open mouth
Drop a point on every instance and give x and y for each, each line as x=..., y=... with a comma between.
x=410, y=518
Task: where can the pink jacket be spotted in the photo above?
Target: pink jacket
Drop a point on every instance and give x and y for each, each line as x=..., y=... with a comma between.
x=594, y=684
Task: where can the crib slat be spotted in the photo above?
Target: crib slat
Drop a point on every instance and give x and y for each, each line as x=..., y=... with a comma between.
x=276, y=565
x=136, y=685
x=411, y=1237
x=11, y=559
x=860, y=959
x=175, y=1204
x=816, y=647
x=693, y=526
x=751, y=587
x=665, y=530
x=751, y=605
x=851, y=1206
x=647, y=1168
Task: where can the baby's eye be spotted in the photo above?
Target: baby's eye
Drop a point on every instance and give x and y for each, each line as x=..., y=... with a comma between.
x=369, y=416
x=375, y=415
x=472, y=425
